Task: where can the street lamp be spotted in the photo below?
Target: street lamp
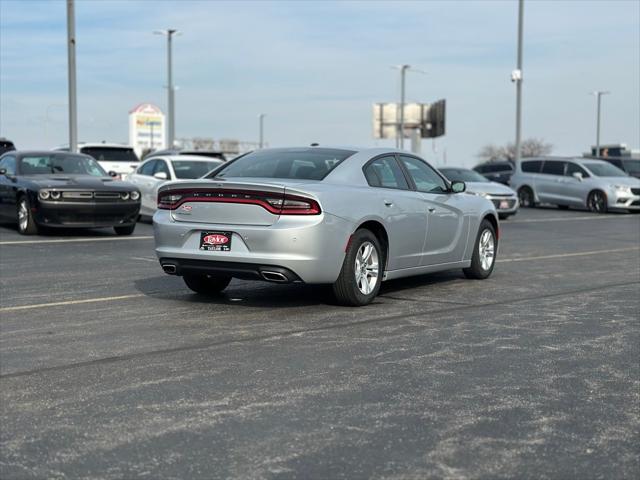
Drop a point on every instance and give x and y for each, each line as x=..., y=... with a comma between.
x=598, y=94
x=71, y=60
x=403, y=69
x=171, y=124
x=261, y=128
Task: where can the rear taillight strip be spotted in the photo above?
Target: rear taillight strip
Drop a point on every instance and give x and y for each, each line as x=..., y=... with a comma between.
x=275, y=203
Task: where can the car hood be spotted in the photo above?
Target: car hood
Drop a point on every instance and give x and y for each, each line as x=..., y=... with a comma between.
x=626, y=181
x=489, y=188
x=77, y=181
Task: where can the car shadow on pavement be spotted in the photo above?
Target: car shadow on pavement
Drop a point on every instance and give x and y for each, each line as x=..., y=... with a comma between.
x=12, y=229
x=255, y=294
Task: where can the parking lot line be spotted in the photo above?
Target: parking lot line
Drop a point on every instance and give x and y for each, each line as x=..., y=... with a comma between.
x=70, y=302
x=562, y=255
x=76, y=240
x=565, y=219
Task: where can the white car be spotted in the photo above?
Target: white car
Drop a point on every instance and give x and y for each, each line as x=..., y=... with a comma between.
x=117, y=159
x=157, y=170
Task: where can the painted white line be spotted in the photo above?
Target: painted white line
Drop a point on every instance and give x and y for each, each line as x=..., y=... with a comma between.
x=145, y=259
x=76, y=240
x=564, y=219
x=70, y=302
x=563, y=255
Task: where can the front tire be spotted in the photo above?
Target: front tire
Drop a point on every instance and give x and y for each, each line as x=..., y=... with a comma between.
x=26, y=223
x=128, y=230
x=597, y=202
x=206, y=284
x=361, y=275
x=484, y=252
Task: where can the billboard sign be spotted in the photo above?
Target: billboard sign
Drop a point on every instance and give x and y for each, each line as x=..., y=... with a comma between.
x=428, y=118
x=146, y=128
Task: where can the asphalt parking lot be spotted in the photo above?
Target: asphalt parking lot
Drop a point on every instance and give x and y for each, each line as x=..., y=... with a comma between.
x=111, y=369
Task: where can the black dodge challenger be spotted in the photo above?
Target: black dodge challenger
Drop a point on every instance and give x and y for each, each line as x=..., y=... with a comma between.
x=62, y=189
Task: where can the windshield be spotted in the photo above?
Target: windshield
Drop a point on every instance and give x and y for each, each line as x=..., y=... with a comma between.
x=66, y=163
x=604, y=170
x=632, y=166
x=300, y=164
x=463, y=175
x=111, y=154
x=193, y=168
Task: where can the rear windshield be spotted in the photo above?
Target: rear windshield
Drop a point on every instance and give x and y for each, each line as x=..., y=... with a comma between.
x=604, y=169
x=299, y=164
x=193, y=168
x=463, y=175
x=60, y=163
x=111, y=154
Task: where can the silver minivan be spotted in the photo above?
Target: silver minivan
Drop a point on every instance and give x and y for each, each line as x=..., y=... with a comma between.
x=575, y=182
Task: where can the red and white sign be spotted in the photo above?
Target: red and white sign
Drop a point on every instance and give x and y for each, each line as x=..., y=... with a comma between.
x=216, y=239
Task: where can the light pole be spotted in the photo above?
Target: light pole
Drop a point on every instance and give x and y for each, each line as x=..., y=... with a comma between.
x=171, y=123
x=71, y=59
x=261, y=128
x=598, y=94
x=516, y=76
x=403, y=71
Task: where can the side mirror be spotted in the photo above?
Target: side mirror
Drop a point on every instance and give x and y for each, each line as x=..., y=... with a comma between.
x=458, y=187
x=112, y=174
x=3, y=171
x=577, y=175
x=161, y=175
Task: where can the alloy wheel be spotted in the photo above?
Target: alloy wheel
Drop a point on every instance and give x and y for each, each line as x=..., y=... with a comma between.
x=597, y=202
x=366, y=268
x=486, y=249
x=23, y=215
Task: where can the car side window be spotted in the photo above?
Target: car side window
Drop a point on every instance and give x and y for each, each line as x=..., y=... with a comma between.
x=552, y=167
x=385, y=172
x=425, y=177
x=147, y=168
x=573, y=168
x=161, y=166
x=532, y=166
x=9, y=164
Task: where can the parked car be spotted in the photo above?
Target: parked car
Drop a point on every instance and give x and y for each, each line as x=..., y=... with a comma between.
x=61, y=189
x=504, y=198
x=351, y=218
x=157, y=170
x=6, y=145
x=118, y=160
x=629, y=165
x=496, y=171
x=575, y=182
x=175, y=151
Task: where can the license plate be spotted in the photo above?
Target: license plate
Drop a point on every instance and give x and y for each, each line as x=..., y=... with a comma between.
x=504, y=205
x=215, y=241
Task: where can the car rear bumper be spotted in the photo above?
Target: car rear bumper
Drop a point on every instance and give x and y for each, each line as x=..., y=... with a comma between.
x=83, y=215
x=310, y=249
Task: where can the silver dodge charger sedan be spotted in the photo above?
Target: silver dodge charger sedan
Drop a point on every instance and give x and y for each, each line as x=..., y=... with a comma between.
x=342, y=216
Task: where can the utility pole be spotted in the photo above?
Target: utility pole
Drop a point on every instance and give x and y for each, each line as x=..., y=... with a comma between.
x=598, y=94
x=516, y=76
x=171, y=122
x=403, y=74
x=261, y=129
x=71, y=60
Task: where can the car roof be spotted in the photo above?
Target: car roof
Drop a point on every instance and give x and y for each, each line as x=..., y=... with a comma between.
x=99, y=144
x=180, y=158
x=23, y=153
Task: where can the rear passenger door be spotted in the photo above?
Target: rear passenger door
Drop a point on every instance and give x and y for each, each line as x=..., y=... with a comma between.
x=550, y=182
x=404, y=211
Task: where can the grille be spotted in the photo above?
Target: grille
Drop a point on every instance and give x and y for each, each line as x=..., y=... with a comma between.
x=77, y=195
x=510, y=203
x=635, y=191
x=106, y=195
x=501, y=195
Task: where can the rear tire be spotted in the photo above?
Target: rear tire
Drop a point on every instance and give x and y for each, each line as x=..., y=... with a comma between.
x=526, y=197
x=361, y=275
x=206, y=284
x=597, y=202
x=125, y=230
x=26, y=223
x=484, y=253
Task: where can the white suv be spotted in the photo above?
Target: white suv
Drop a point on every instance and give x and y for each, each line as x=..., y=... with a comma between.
x=117, y=159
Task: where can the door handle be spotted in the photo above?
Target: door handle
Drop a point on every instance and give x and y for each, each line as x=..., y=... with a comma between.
x=431, y=209
x=388, y=203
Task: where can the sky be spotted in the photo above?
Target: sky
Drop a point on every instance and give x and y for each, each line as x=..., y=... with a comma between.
x=316, y=68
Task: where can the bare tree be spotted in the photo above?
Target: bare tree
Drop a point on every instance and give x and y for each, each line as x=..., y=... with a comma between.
x=532, y=147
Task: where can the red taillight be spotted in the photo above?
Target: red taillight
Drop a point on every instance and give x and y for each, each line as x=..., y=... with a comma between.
x=278, y=204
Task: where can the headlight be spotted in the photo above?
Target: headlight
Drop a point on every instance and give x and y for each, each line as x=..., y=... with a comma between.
x=124, y=195
x=135, y=195
x=623, y=189
x=43, y=194
x=55, y=195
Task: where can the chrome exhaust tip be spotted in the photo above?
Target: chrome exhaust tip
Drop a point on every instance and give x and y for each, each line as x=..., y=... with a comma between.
x=169, y=268
x=274, y=276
